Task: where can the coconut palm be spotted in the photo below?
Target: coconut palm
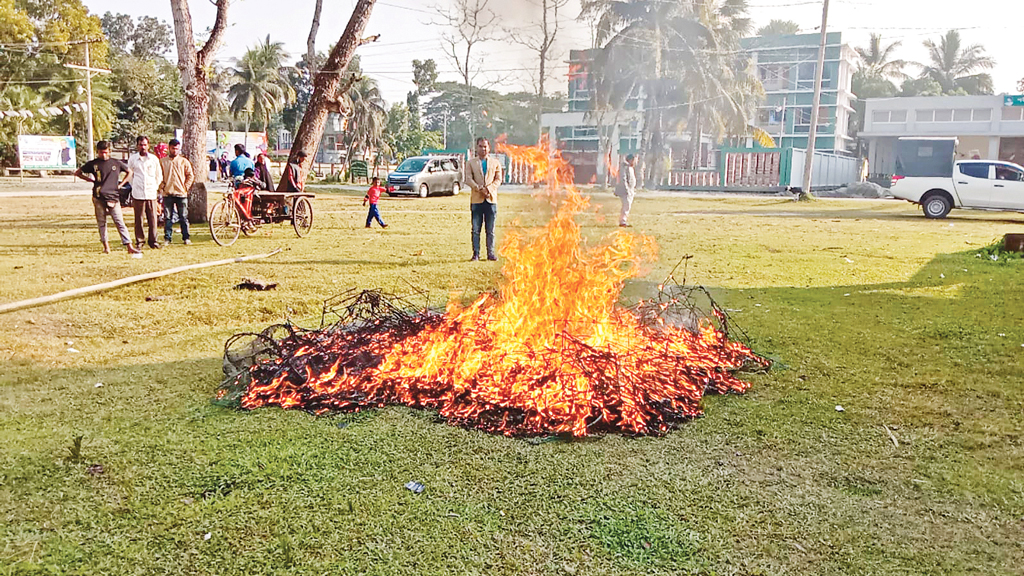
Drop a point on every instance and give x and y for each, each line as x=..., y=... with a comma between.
x=684, y=56
x=367, y=118
x=955, y=66
x=641, y=41
x=876, y=59
x=779, y=28
x=261, y=87
x=721, y=86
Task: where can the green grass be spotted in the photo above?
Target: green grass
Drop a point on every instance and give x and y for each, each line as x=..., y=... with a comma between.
x=864, y=304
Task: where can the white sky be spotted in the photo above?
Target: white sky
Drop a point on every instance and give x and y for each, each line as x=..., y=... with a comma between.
x=406, y=33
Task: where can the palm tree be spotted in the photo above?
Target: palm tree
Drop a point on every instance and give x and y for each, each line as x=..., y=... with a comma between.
x=955, y=66
x=640, y=39
x=779, y=28
x=367, y=118
x=722, y=89
x=671, y=49
x=261, y=87
x=876, y=59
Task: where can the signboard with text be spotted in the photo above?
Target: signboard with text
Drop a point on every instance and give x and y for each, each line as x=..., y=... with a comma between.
x=1013, y=100
x=46, y=152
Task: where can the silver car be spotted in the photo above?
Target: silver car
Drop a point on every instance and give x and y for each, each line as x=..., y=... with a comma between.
x=426, y=175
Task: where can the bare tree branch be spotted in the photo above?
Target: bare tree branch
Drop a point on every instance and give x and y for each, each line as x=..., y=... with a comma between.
x=217, y=34
x=311, y=40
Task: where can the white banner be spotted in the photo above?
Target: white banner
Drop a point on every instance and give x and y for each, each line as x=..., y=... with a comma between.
x=219, y=142
x=46, y=152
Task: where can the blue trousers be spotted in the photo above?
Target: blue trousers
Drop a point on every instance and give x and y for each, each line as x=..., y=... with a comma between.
x=374, y=214
x=172, y=204
x=484, y=215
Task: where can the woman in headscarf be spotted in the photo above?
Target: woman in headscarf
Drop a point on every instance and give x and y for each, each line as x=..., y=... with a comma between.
x=262, y=169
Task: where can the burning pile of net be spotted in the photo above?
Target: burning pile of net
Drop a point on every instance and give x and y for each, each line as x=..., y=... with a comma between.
x=550, y=352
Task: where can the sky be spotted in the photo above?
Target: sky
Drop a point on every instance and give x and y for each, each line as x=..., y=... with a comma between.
x=407, y=32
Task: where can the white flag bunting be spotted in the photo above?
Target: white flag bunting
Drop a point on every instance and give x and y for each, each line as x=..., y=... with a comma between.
x=45, y=112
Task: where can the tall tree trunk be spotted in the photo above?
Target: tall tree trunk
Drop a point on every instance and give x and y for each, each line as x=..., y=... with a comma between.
x=327, y=85
x=311, y=41
x=194, y=65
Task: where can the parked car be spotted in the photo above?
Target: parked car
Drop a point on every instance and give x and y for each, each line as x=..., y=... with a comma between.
x=426, y=175
x=928, y=174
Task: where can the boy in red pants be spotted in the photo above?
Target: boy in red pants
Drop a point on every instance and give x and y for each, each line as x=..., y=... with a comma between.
x=373, y=196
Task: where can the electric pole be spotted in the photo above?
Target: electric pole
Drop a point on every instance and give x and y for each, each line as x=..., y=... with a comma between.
x=89, y=70
x=805, y=192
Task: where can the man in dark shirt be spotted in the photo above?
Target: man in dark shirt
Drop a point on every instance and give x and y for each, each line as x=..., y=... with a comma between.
x=106, y=178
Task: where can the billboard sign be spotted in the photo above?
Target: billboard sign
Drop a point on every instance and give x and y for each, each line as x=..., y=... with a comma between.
x=1013, y=100
x=219, y=142
x=46, y=152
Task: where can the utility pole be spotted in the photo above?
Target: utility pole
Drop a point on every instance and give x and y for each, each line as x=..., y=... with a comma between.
x=805, y=192
x=445, y=140
x=89, y=70
x=782, y=121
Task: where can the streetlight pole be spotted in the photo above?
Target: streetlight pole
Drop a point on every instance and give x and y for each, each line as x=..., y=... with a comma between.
x=805, y=192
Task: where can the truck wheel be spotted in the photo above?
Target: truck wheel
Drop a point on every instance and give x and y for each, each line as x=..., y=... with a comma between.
x=936, y=204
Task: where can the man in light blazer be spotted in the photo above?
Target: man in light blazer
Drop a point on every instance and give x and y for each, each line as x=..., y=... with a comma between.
x=483, y=176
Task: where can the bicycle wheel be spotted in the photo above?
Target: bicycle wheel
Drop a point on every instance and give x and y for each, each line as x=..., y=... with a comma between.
x=224, y=223
x=302, y=216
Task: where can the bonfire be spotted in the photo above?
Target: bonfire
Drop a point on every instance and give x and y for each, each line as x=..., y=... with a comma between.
x=551, y=351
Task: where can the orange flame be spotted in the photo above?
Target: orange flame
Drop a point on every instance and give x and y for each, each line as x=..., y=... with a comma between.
x=517, y=362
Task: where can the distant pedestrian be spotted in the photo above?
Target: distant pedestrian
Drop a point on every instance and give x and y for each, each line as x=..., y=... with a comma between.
x=224, y=163
x=292, y=180
x=373, y=196
x=146, y=178
x=214, y=168
x=483, y=175
x=178, y=177
x=263, y=171
x=106, y=178
x=241, y=162
x=625, y=189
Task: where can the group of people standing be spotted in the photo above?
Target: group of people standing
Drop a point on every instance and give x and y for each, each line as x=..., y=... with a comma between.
x=171, y=177
x=151, y=179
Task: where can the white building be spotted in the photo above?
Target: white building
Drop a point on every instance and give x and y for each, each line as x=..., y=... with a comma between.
x=985, y=126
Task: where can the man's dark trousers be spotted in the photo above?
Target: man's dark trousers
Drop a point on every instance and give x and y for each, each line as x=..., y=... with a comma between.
x=484, y=215
x=174, y=204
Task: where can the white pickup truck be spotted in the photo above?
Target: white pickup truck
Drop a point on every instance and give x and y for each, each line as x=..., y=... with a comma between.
x=927, y=174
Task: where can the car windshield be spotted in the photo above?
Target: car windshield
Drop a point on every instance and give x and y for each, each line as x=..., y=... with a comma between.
x=412, y=165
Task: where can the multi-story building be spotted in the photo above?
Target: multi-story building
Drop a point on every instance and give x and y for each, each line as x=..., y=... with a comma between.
x=986, y=127
x=786, y=67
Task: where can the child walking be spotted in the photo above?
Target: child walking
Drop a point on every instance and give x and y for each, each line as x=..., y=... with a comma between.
x=373, y=196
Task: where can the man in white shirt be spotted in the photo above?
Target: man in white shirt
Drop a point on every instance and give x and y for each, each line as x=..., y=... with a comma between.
x=626, y=189
x=146, y=178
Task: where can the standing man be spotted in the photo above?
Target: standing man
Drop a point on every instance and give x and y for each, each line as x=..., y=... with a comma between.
x=177, y=179
x=106, y=178
x=625, y=189
x=241, y=163
x=483, y=175
x=146, y=178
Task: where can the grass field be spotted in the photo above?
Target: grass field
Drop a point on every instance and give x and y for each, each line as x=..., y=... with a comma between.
x=863, y=304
